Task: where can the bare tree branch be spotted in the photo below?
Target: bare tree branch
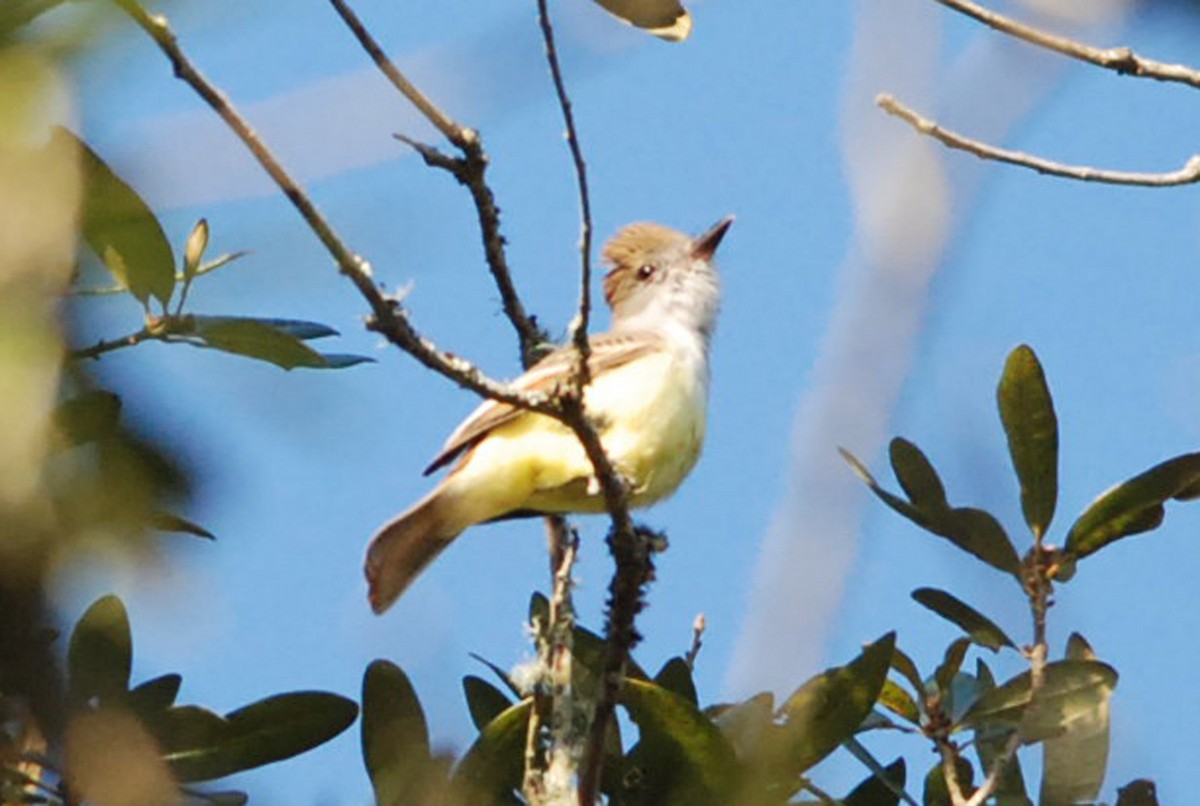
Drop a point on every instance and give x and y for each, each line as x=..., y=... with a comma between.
x=579, y=328
x=469, y=171
x=1122, y=60
x=1188, y=174
x=109, y=345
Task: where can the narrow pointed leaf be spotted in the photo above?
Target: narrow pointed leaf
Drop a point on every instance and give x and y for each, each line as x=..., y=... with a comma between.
x=879, y=791
x=1074, y=763
x=1027, y=412
x=484, y=701
x=1072, y=688
x=979, y=627
x=828, y=709
x=948, y=669
x=688, y=757
x=881, y=773
x=300, y=328
x=100, y=654
x=123, y=232
x=917, y=476
x=395, y=738
x=1134, y=506
x=972, y=530
x=666, y=19
x=344, y=360
x=167, y=522
x=501, y=675
x=255, y=338
x=903, y=664
x=269, y=730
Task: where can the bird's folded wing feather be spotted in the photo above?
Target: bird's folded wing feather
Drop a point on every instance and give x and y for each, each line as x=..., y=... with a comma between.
x=609, y=350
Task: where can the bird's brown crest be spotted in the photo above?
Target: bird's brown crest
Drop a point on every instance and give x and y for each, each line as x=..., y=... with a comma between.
x=631, y=248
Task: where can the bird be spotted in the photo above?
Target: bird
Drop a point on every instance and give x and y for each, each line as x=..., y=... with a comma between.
x=647, y=396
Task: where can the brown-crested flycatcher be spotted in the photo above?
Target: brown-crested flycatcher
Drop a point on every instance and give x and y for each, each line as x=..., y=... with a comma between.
x=648, y=395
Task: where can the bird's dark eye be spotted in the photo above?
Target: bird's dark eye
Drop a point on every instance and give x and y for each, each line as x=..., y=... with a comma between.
x=645, y=272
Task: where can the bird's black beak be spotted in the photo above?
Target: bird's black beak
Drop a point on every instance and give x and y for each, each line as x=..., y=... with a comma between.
x=704, y=246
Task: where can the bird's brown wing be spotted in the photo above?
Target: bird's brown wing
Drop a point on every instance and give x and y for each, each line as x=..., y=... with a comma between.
x=609, y=350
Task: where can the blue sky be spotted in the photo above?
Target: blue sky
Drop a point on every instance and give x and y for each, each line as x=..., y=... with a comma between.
x=752, y=116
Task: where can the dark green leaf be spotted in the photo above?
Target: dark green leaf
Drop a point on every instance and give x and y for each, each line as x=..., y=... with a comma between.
x=878, y=771
x=1072, y=688
x=917, y=477
x=1027, y=411
x=903, y=664
x=1134, y=506
x=502, y=675
x=947, y=670
x=395, y=738
x=979, y=627
x=88, y=417
x=123, y=232
x=875, y=792
x=269, y=730
x=666, y=19
x=154, y=695
x=972, y=530
x=344, y=360
x=1074, y=763
x=255, y=339
x=1138, y=793
x=496, y=761
x=828, y=709
x=675, y=676
x=937, y=792
x=484, y=701
x=100, y=654
x=167, y=522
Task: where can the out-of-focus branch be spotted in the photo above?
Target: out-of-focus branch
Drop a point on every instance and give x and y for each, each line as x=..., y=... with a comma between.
x=579, y=327
x=1188, y=174
x=1123, y=60
x=469, y=170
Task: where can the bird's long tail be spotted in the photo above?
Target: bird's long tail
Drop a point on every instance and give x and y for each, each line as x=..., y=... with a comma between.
x=406, y=545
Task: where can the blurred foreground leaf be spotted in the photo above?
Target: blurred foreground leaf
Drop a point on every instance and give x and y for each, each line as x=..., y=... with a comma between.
x=666, y=19
x=395, y=737
x=100, y=654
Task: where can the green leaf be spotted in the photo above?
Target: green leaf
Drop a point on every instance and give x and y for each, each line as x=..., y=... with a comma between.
x=948, y=669
x=917, y=476
x=395, y=738
x=484, y=701
x=496, y=760
x=747, y=723
x=878, y=771
x=204, y=746
x=100, y=654
x=898, y=701
x=676, y=676
x=828, y=709
x=1027, y=412
x=344, y=360
x=254, y=338
x=1074, y=763
x=875, y=792
x=166, y=522
x=903, y=664
x=300, y=328
x=683, y=755
x=123, y=232
x=972, y=530
x=88, y=417
x=1071, y=689
x=1134, y=506
x=990, y=743
x=979, y=627
x=154, y=696
x=666, y=19
x=501, y=675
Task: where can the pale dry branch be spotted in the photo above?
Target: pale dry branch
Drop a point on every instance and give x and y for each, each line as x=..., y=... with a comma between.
x=1121, y=60
x=1188, y=174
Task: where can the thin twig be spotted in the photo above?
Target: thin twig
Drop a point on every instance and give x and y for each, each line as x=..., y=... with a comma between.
x=1189, y=174
x=579, y=327
x=470, y=171
x=1122, y=60
x=388, y=318
x=697, y=641
x=109, y=345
